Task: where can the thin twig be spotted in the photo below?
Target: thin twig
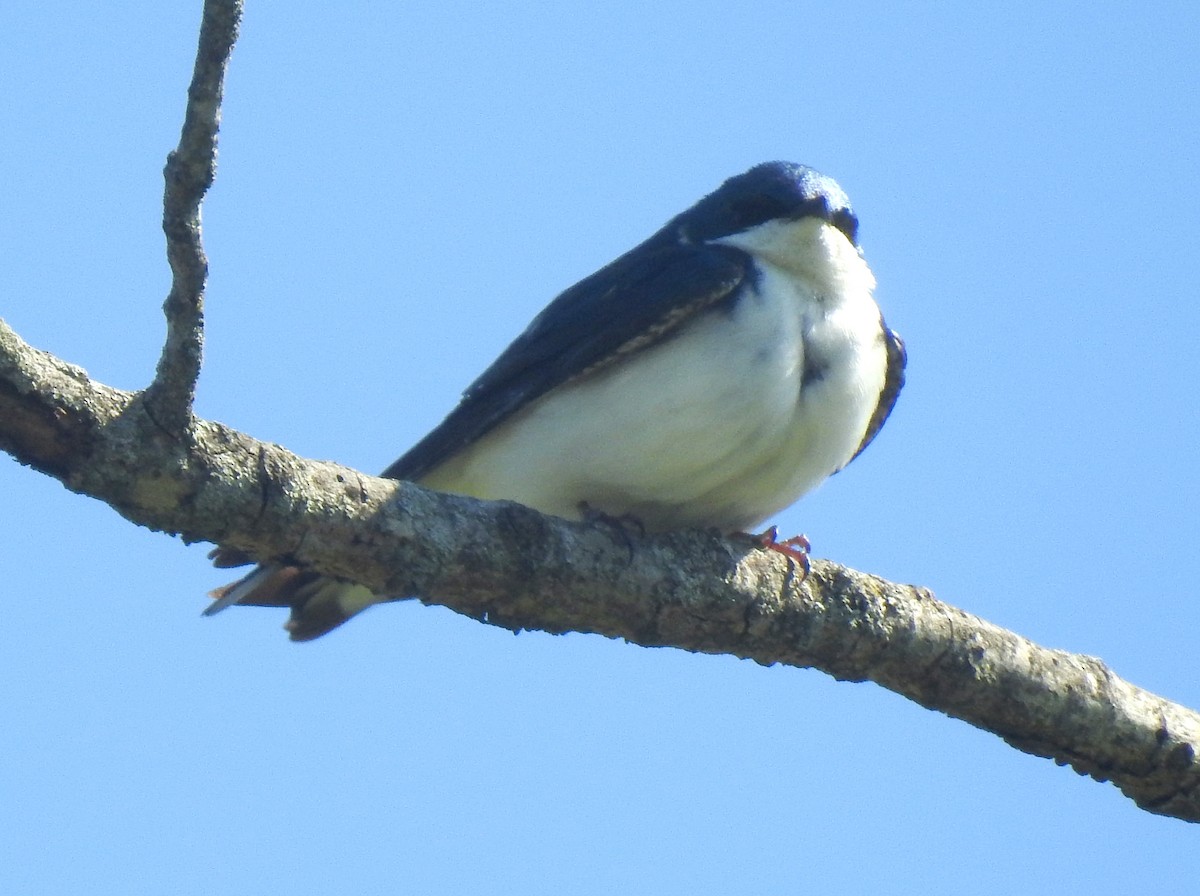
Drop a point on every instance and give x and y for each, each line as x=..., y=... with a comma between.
x=188, y=174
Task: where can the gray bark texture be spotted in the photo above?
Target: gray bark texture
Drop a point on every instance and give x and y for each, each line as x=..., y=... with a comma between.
x=152, y=461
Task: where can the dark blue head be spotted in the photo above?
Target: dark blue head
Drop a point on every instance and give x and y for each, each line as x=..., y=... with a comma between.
x=770, y=191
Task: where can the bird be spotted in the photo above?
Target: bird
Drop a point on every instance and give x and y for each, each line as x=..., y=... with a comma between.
x=709, y=377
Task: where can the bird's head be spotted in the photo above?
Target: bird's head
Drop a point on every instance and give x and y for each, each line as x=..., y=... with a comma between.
x=772, y=191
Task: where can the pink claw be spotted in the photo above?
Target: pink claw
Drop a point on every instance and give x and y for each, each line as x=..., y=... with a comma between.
x=795, y=548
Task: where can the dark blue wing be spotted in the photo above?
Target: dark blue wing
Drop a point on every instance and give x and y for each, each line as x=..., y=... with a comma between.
x=893, y=382
x=633, y=303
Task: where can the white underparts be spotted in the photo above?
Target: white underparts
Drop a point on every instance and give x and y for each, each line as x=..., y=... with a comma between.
x=718, y=424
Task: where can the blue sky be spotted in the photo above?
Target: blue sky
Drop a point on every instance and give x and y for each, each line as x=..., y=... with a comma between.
x=401, y=187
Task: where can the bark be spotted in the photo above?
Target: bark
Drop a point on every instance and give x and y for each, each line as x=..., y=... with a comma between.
x=189, y=172
x=152, y=461
x=507, y=565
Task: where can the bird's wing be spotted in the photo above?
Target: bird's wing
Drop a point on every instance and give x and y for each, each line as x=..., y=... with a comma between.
x=635, y=302
x=893, y=382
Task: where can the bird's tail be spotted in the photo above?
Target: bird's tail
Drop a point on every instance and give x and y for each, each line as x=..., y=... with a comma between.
x=318, y=603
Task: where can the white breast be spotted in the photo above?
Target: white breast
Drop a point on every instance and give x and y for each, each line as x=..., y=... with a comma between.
x=717, y=426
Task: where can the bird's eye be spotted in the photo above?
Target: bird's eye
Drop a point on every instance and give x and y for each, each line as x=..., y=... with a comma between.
x=754, y=211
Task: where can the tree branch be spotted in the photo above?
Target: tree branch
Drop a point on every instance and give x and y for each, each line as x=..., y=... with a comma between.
x=189, y=173
x=507, y=565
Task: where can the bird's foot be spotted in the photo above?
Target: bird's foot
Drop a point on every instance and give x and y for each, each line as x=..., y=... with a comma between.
x=795, y=548
x=624, y=526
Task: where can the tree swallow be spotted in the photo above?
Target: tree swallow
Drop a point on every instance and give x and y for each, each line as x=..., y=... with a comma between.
x=708, y=377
